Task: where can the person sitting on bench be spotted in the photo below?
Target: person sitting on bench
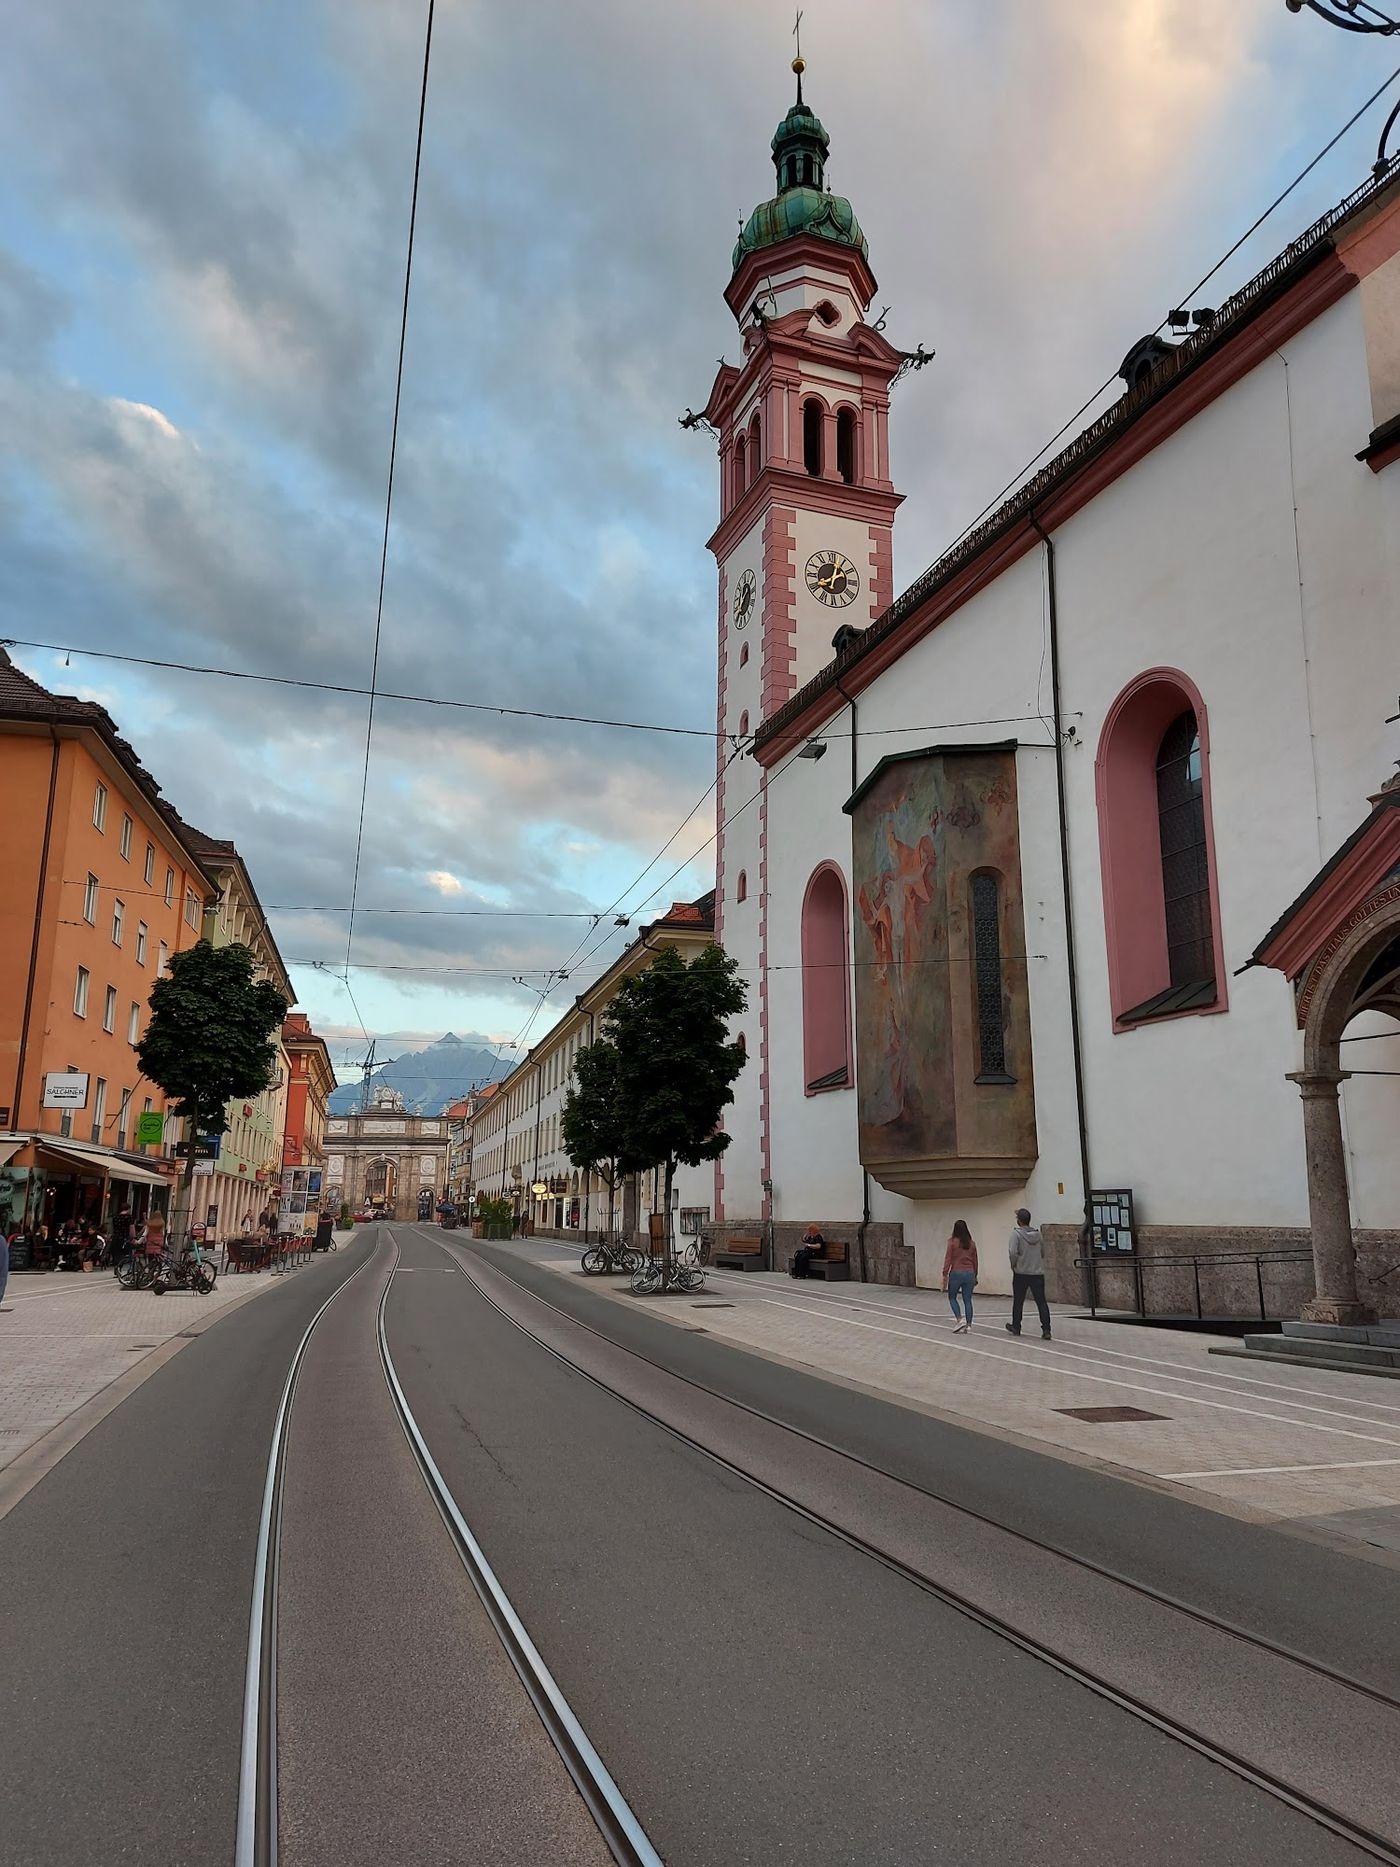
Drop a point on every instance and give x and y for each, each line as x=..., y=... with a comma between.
x=812, y=1246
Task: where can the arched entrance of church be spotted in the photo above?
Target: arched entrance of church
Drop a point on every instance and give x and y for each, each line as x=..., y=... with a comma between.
x=1339, y=944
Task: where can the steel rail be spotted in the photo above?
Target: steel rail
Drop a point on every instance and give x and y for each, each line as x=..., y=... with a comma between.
x=255, y=1833
x=1103, y=1571
x=1378, y=1846
x=623, y=1834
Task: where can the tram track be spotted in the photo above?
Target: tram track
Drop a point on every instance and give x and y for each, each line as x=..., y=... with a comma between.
x=1377, y=1845
x=256, y=1835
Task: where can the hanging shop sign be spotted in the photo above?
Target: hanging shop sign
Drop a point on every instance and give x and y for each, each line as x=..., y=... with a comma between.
x=66, y=1089
x=150, y=1128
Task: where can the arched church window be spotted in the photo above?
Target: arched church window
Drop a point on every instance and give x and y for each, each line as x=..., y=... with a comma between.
x=741, y=887
x=826, y=984
x=846, y=445
x=744, y=655
x=987, y=978
x=1161, y=901
x=755, y=449
x=1181, y=823
x=813, y=423
x=740, y=466
x=744, y=724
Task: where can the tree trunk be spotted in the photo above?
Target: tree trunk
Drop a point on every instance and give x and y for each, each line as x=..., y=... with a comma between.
x=612, y=1203
x=668, y=1245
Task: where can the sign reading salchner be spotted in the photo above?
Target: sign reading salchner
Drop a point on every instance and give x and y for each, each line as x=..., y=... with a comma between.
x=66, y=1089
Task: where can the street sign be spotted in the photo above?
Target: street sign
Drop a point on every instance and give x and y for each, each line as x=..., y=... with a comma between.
x=203, y=1166
x=150, y=1128
x=205, y=1147
x=66, y=1089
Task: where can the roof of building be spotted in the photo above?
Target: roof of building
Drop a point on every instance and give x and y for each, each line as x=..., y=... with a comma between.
x=800, y=208
x=218, y=852
x=1176, y=363
x=24, y=698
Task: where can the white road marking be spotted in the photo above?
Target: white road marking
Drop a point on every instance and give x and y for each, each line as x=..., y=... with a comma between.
x=963, y=1347
x=1264, y=1471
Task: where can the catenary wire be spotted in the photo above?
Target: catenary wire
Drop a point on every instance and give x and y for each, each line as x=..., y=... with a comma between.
x=389, y=488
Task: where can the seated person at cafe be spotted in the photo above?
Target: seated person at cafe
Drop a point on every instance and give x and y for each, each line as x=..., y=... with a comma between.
x=812, y=1246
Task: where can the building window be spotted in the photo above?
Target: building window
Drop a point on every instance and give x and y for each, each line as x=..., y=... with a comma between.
x=170, y=888
x=1161, y=902
x=150, y=864
x=741, y=887
x=744, y=724
x=141, y=938
x=987, y=979
x=80, y=993
x=133, y=1024
x=123, y=1117
x=109, y=1010
x=99, y=808
x=846, y=445
x=741, y=466
x=755, y=448
x=191, y=907
x=90, y=901
x=744, y=655
x=813, y=423
x=163, y=960
x=118, y=919
x=826, y=984
x=99, y=1107
x=828, y=313
x=126, y=839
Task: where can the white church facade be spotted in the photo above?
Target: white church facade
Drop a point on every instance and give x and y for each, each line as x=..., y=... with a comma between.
x=1040, y=871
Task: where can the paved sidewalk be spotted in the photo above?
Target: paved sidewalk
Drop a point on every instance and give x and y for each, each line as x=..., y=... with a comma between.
x=1315, y=1449
x=65, y=1337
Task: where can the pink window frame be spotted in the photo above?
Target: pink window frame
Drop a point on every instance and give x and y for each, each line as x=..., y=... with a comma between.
x=812, y=1011
x=1130, y=850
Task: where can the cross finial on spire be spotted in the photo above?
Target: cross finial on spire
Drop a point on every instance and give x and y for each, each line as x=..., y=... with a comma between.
x=799, y=64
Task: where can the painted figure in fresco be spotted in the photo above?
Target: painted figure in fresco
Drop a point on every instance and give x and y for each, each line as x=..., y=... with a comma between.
x=894, y=906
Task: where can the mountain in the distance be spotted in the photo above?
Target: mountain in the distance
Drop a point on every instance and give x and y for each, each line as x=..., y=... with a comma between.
x=428, y=1080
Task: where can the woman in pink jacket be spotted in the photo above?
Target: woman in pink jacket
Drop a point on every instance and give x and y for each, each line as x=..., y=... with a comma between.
x=960, y=1275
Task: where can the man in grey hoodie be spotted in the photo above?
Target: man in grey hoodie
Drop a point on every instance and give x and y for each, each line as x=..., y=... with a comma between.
x=1027, y=1253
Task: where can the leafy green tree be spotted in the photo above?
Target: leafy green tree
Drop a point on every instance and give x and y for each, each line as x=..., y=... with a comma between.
x=591, y=1124
x=676, y=1065
x=210, y=1038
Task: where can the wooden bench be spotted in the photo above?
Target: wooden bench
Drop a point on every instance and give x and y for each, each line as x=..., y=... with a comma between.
x=740, y=1254
x=833, y=1264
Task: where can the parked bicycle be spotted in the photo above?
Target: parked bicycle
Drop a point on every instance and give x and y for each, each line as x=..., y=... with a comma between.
x=610, y=1254
x=652, y=1277
x=192, y=1271
x=137, y=1270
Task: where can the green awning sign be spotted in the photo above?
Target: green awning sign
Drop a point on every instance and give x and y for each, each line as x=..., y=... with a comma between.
x=150, y=1128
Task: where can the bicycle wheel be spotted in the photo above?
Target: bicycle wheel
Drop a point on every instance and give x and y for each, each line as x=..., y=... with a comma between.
x=202, y=1279
x=631, y=1261
x=689, y=1277
x=647, y=1280
x=595, y=1261
x=126, y=1272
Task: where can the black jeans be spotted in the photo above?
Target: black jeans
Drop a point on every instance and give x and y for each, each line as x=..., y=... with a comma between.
x=802, y=1257
x=1033, y=1282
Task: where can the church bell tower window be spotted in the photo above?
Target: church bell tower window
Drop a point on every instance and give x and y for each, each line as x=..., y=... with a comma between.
x=813, y=421
x=846, y=445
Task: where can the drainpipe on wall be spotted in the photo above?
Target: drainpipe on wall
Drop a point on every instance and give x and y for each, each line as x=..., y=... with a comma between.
x=38, y=928
x=864, y=1226
x=1071, y=961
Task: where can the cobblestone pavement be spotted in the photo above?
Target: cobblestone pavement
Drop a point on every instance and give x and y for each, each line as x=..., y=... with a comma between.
x=1317, y=1449
x=65, y=1337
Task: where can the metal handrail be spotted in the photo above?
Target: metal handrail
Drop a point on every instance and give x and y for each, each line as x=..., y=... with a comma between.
x=1168, y=1260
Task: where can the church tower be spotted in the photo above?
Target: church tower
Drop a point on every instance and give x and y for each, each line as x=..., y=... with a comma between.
x=804, y=539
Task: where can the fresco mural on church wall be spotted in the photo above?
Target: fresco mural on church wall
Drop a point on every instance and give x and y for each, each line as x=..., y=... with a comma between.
x=936, y=1115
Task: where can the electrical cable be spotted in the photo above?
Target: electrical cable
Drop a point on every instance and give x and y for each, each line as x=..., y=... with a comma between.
x=389, y=489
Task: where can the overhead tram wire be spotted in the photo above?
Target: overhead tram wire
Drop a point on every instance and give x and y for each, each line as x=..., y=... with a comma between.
x=389, y=488
x=1186, y=297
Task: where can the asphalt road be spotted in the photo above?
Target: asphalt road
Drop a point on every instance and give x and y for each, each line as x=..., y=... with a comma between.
x=761, y=1690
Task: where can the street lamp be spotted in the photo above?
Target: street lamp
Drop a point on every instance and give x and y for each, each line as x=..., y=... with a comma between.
x=1358, y=16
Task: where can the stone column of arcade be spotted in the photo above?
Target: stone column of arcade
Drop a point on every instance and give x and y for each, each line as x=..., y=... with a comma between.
x=1335, y=1299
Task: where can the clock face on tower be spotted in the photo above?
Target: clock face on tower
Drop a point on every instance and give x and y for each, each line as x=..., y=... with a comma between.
x=744, y=599
x=832, y=579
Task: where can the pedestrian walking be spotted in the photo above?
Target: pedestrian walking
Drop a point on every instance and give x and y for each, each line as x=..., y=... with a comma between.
x=960, y=1275
x=1027, y=1254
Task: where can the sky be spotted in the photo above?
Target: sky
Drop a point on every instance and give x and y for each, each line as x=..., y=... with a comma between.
x=202, y=244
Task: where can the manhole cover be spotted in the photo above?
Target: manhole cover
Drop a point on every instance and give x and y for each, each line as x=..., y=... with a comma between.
x=712, y=1306
x=1103, y=1416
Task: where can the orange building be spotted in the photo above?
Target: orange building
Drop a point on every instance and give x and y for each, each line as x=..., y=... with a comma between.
x=309, y=1085
x=101, y=885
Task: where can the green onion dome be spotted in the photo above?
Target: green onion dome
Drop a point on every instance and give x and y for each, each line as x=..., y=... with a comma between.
x=801, y=205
